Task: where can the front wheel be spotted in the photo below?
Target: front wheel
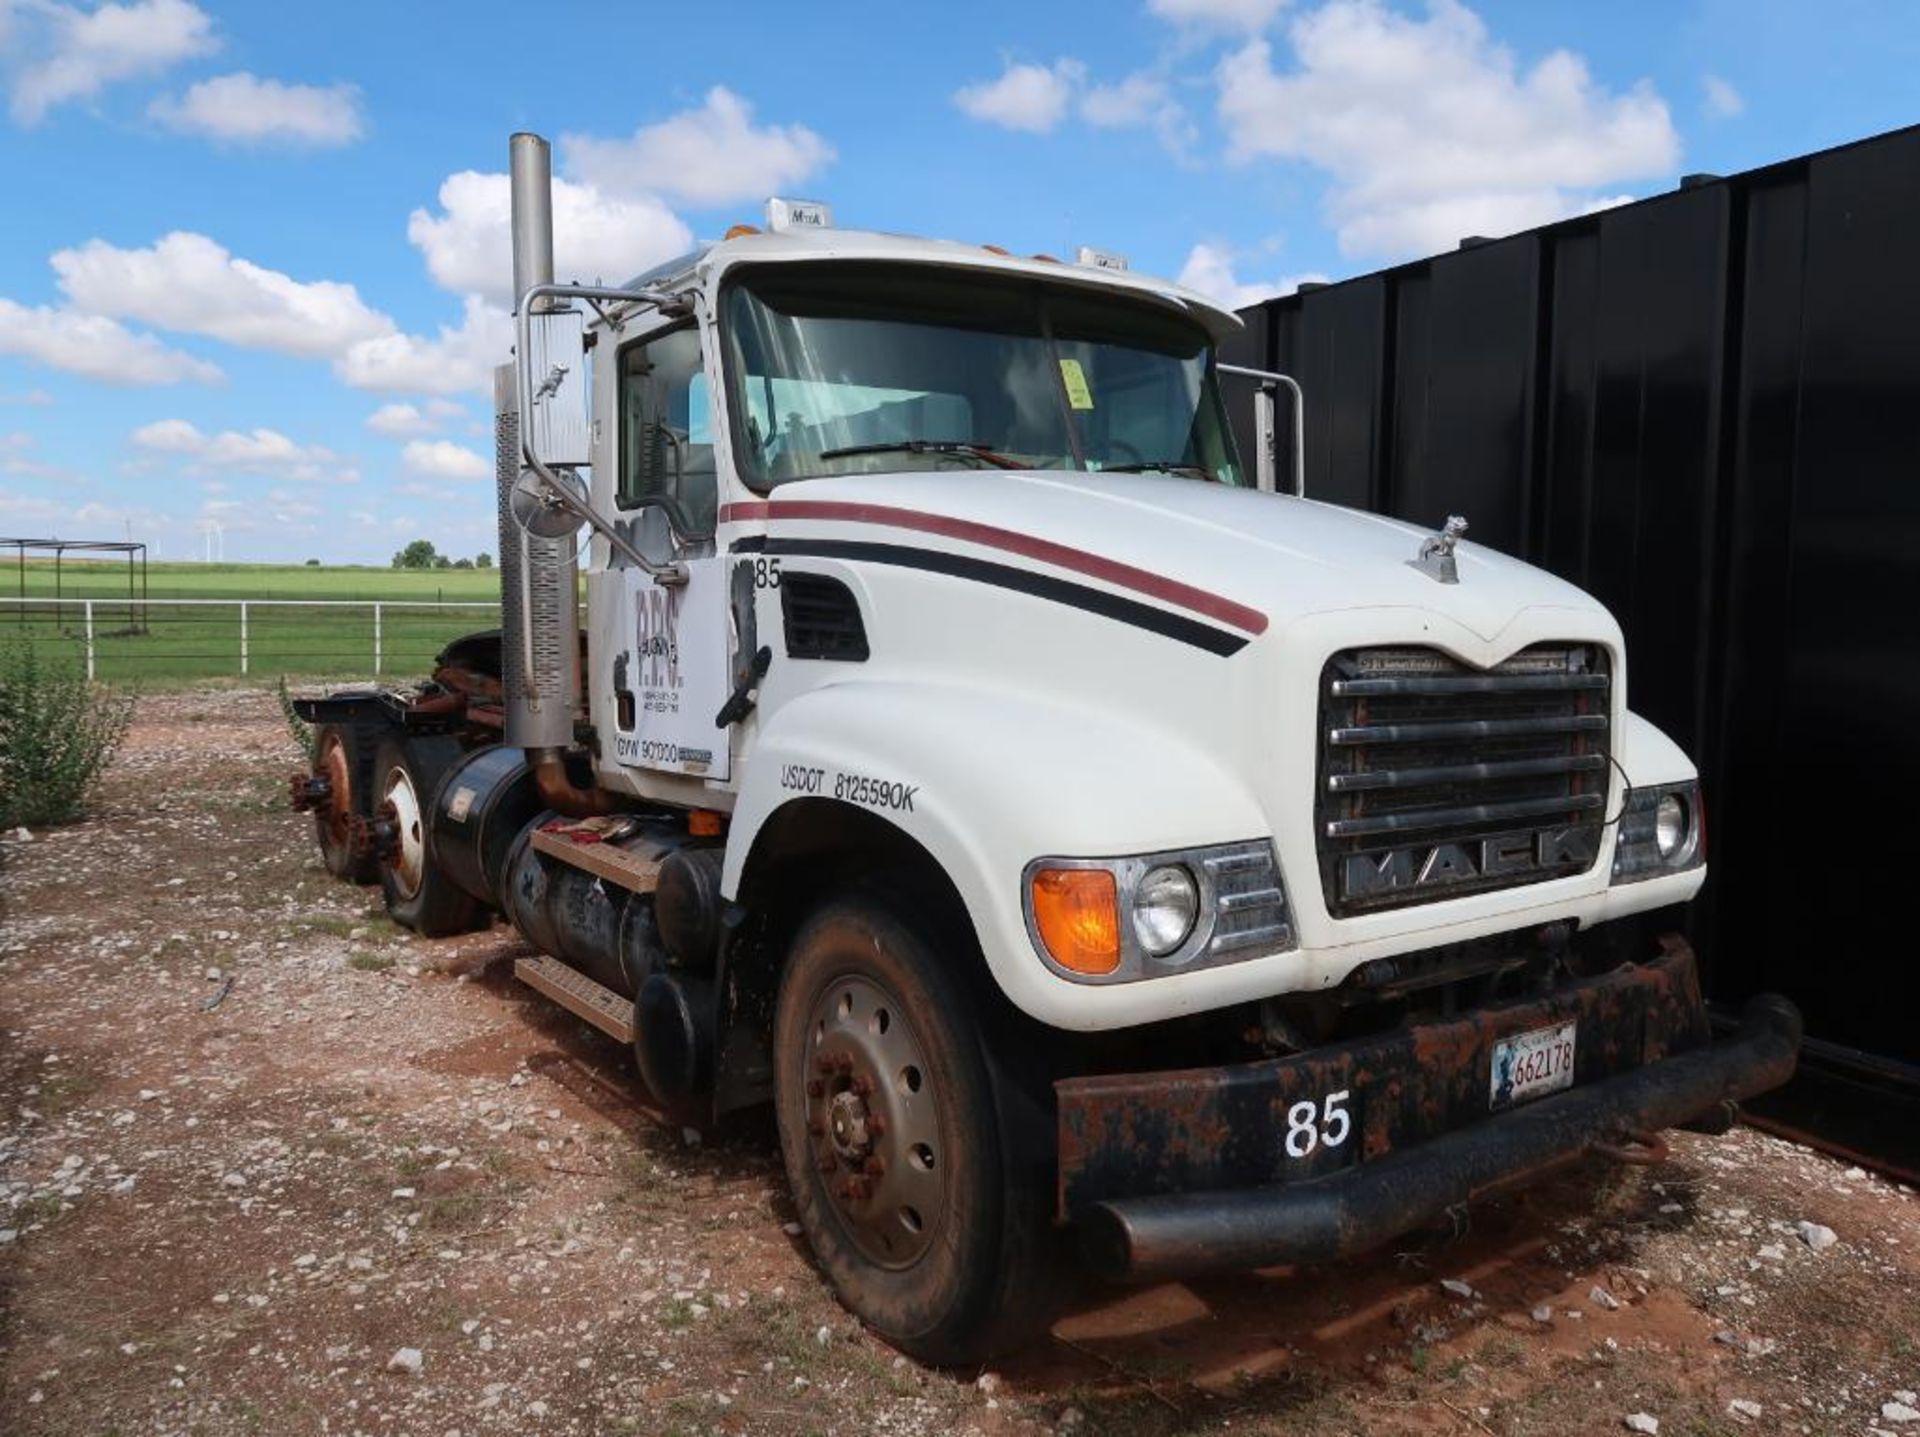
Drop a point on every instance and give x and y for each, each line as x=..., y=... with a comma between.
x=418, y=895
x=920, y=1202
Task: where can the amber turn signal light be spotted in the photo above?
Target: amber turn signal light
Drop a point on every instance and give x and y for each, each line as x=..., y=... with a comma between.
x=1077, y=911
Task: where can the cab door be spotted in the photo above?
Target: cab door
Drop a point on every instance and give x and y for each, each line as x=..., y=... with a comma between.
x=669, y=641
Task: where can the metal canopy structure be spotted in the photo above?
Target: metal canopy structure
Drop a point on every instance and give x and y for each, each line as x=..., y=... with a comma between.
x=136, y=556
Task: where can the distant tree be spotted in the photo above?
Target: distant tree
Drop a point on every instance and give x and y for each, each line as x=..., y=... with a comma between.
x=419, y=554
x=483, y=560
x=463, y=563
x=441, y=561
x=313, y=563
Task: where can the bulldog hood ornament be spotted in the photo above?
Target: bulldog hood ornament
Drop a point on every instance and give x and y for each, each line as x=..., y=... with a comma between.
x=1436, y=559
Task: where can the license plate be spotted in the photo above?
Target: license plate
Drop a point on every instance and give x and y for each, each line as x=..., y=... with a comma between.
x=1531, y=1064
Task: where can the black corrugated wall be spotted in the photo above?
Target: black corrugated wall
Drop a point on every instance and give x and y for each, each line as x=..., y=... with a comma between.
x=1705, y=409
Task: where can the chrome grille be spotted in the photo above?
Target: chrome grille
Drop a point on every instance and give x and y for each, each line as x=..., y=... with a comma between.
x=1437, y=779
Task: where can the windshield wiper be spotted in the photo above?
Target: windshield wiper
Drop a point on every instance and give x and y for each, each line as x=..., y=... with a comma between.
x=969, y=447
x=1163, y=466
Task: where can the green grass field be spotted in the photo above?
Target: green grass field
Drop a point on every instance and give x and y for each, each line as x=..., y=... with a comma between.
x=161, y=644
x=107, y=579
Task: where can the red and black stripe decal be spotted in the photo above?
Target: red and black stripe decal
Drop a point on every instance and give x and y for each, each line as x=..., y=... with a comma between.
x=1236, y=622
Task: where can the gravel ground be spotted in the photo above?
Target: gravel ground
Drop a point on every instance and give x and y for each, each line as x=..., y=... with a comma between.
x=268, y=1164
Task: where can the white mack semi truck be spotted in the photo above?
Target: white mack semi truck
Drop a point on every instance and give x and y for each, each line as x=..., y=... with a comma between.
x=1086, y=848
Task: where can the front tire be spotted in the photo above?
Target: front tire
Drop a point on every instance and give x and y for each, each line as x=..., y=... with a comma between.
x=923, y=1205
x=419, y=896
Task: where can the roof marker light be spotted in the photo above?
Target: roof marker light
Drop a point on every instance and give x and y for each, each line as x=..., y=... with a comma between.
x=784, y=215
x=1099, y=258
x=740, y=231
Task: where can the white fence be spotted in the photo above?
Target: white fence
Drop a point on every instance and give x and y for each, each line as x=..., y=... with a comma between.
x=187, y=638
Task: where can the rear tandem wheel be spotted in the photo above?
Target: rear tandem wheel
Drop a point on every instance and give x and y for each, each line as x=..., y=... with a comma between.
x=419, y=896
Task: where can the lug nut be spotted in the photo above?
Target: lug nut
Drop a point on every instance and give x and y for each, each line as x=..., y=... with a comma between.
x=825, y=1065
x=876, y=1124
x=816, y=1088
x=862, y=1085
x=875, y=1166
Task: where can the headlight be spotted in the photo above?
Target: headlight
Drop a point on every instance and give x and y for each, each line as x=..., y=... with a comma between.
x=1165, y=906
x=1661, y=832
x=1670, y=824
x=1116, y=920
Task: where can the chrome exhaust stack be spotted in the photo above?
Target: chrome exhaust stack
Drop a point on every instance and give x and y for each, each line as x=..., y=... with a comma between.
x=539, y=576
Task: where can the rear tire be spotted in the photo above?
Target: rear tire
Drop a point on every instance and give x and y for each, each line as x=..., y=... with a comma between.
x=915, y=1177
x=407, y=771
x=337, y=751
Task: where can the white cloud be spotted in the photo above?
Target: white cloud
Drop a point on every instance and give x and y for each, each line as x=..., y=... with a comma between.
x=244, y=109
x=287, y=507
x=438, y=493
x=260, y=449
x=1210, y=270
x=28, y=509
x=397, y=421
x=189, y=283
x=468, y=246
x=712, y=155
x=95, y=347
x=1134, y=101
x=1033, y=98
x=1720, y=99
x=30, y=398
x=16, y=458
x=458, y=359
x=1431, y=131
x=443, y=459
x=1138, y=101
x=170, y=436
x=1248, y=15
x=73, y=54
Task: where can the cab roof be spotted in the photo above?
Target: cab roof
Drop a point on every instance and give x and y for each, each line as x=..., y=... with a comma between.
x=710, y=262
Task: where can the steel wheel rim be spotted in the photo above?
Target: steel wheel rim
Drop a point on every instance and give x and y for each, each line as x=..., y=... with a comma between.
x=409, y=860
x=335, y=819
x=873, y=1122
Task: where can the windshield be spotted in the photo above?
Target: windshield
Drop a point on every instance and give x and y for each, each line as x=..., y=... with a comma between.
x=845, y=368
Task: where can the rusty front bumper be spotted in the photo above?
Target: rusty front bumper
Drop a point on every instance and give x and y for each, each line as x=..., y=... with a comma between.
x=1192, y=1171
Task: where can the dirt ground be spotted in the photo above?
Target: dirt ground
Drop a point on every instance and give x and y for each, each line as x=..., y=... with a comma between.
x=255, y=1141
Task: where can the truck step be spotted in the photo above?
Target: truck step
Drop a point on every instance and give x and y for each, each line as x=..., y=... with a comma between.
x=580, y=846
x=578, y=994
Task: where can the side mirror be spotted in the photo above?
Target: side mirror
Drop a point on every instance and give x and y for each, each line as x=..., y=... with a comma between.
x=556, y=426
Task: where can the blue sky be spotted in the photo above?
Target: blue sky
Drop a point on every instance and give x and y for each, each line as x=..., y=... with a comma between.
x=253, y=265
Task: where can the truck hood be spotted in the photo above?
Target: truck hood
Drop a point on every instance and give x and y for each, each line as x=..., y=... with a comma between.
x=1282, y=556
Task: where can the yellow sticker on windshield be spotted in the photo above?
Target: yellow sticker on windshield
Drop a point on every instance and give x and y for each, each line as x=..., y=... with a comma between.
x=1078, y=395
